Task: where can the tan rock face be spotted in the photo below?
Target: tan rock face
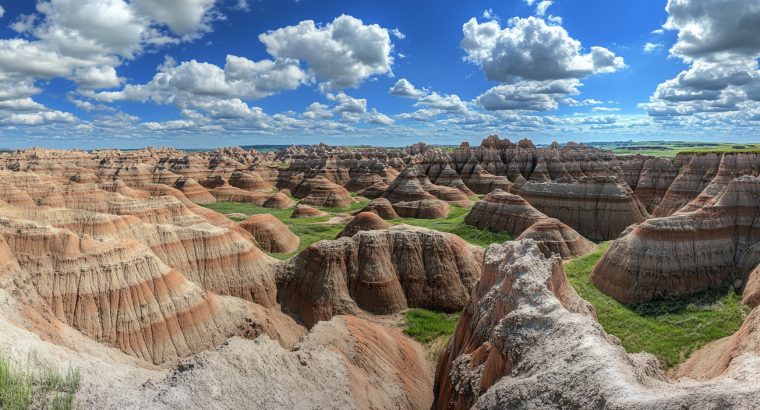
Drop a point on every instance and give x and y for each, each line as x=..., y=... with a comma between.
x=411, y=196
x=502, y=211
x=380, y=206
x=345, y=363
x=380, y=272
x=555, y=238
x=687, y=252
x=527, y=339
x=319, y=191
x=599, y=208
x=305, y=211
x=363, y=221
x=271, y=235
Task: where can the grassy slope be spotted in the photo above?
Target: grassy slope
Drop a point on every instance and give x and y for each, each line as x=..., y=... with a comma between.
x=425, y=326
x=312, y=230
x=670, y=330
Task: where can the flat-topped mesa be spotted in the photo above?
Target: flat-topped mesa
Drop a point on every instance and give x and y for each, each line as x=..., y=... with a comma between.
x=688, y=252
x=363, y=221
x=599, y=208
x=381, y=272
x=120, y=294
x=319, y=191
x=410, y=196
x=271, y=235
x=526, y=340
x=380, y=206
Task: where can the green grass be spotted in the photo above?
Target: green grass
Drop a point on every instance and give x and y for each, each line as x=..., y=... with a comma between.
x=669, y=329
x=311, y=230
x=426, y=326
x=671, y=148
x=454, y=223
x=22, y=388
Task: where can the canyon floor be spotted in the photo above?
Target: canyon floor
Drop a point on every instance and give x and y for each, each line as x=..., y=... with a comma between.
x=504, y=275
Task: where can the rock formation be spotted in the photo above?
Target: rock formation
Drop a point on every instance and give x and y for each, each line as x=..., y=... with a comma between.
x=554, y=237
x=271, y=235
x=687, y=252
x=363, y=221
x=382, y=207
x=380, y=272
x=502, y=211
x=527, y=339
x=412, y=199
x=305, y=211
x=319, y=191
x=599, y=208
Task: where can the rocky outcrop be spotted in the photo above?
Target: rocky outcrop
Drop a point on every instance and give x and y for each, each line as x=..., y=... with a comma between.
x=554, y=237
x=305, y=211
x=380, y=272
x=319, y=191
x=502, y=211
x=363, y=221
x=599, y=208
x=687, y=252
x=410, y=196
x=271, y=235
x=380, y=206
x=345, y=363
x=527, y=339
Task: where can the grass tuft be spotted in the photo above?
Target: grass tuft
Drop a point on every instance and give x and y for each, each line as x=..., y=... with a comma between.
x=669, y=329
x=22, y=388
x=426, y=326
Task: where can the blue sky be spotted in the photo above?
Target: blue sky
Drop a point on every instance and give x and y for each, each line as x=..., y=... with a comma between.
x=207, y=73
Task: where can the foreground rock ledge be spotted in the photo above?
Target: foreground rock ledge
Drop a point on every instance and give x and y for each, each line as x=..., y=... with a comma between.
x=527, y=340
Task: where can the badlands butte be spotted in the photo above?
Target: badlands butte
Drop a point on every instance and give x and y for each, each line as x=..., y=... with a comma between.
x=503, y=275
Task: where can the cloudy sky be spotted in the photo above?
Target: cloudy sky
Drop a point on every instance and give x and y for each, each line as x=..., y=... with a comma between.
x=208, y=73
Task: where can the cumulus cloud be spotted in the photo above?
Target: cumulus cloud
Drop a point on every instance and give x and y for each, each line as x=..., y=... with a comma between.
x=2, y=11
x=341, y=54
x=528, y=95
x=183, y=17
x=317, y=111
x=185, y=83
x=530, y=49
x=440, y=102
x=714, y=27
x=720, y=40
x=404, y=88
x=97, y=77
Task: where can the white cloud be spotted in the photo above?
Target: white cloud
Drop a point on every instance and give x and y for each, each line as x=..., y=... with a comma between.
x=317, y=111
x=652, y=47
x=528, y=95
x=183, y=17
x=347, y=104
x=720, y=40
x=436, y=101
x=342, y=53
x=710, y=27
x=2, y=11
x=398, y=34
x=240, y=78
x=38, y=118
x=488, y=14
x=404, y=88
x=375, y=117
x=529, y=49
x=97, y=77
x=605, y=109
